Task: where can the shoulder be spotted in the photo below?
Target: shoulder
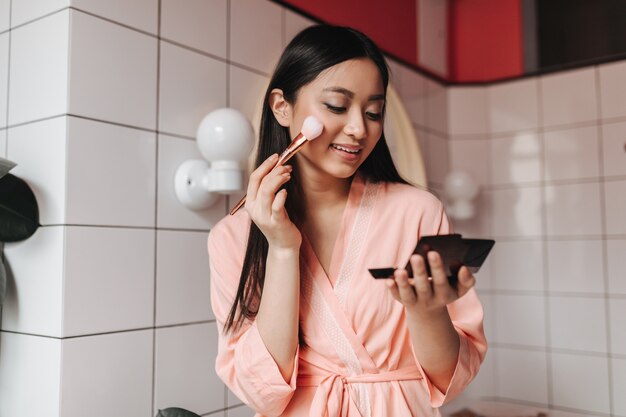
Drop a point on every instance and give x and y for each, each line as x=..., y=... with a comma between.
x=230, y=233
x=410, y=196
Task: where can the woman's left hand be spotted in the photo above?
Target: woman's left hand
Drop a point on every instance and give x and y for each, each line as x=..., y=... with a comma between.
x=422, y=295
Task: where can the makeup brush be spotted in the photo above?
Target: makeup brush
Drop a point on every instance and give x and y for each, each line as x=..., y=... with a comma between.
x=311, y=129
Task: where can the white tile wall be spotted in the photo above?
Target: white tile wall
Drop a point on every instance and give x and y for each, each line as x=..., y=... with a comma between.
x=231, y=399
x=106, y=375
x=573, y=209
x=138, y=14
x=3, y=143
x=515, y=159
x=577, y=323
x=615, y=207
x=23, y=11
x=437, y=162
x=31, y=375
x=4, y=77
x=121, y=93
x=240, y=411
x=34, y=302
x=614, y=149
x=184, y=373
x=467, y=110
x=109, y=280
x=436, y=106
x=294, y=24
x=411, y=87
x=520, y=320
x=580, y=382
x=38, y=68
x=39, y=149
x=612, y=90
x=616, y=265
x=513, y=106
x=5, y=14
x=471, y=156
x=576, y=266
x=191, y=85
x=516, y=211
x=571, y=154
x=198, y=24
x=568, y=97
x=548, y=145
x=255, y=34
x=247, y=92
x=618, y=372
x=618, y=330
x=111, y=172
x=518, y=265
x=182, y=281
x=522, y=375
x=171, y=214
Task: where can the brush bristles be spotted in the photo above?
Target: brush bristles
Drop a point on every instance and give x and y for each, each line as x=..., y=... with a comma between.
x=312, y=128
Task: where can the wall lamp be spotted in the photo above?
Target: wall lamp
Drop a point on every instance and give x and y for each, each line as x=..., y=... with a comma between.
x=225, y=138
x=461, y=190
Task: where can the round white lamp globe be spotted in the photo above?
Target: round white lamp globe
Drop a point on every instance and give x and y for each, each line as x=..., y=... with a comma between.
x=225, y=135
x=460, y=188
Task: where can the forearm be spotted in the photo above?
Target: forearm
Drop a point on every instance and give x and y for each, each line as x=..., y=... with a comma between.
x=277, y=318
x=436, y=344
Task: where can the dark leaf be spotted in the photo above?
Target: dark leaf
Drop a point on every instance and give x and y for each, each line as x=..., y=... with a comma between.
x=19, y=214
x=176, y=412
x=3, y=282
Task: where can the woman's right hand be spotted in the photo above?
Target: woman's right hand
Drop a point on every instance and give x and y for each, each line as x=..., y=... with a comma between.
x=266, y=207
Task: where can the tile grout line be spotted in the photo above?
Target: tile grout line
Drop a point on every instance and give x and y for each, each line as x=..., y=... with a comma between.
x=10, y=38
x=544, y=244
x=603, y=220
x=227, y=199
x=156, y=205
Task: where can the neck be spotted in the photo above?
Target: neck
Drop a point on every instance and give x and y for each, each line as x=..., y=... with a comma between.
x=323, y=192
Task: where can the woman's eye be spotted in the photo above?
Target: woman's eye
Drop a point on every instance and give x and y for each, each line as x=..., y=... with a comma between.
x=335, y=109
x=374, y=116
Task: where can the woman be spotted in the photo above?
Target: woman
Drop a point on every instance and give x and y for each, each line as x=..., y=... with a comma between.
x=304, y=329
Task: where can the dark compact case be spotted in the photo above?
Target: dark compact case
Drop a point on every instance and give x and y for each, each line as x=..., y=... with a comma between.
x=454, y=251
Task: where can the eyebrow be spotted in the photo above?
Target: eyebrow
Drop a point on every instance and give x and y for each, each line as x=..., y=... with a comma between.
x=350, y=94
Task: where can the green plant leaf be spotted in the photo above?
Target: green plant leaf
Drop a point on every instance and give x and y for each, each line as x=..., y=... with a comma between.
x=19, y=213
x=176, y=412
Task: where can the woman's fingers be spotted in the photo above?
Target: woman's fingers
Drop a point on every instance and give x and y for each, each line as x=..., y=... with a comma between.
x=420, y=278
x=269, y=187
x=257, y=176
x=441, y=287
x=466, y=281
x=278, y=206
x=406, y=293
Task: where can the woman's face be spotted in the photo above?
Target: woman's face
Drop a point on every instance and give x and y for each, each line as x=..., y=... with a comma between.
x=348, y=99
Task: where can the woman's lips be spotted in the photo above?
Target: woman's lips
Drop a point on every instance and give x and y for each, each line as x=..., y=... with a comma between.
x=349, y=153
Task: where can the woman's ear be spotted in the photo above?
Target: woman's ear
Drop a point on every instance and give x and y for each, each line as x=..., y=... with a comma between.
x=280, y=107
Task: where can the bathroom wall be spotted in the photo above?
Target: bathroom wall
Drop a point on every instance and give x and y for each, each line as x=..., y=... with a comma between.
x=108, y=309
x=550, y=154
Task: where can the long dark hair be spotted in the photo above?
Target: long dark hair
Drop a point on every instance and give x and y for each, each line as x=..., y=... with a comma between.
x=307, y=55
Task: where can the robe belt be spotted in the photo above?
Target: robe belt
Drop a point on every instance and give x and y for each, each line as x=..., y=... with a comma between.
x=331, y=389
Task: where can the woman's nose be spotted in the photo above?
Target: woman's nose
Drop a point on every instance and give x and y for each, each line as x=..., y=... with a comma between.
x=356, y=126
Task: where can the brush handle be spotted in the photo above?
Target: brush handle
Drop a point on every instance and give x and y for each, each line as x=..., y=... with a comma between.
x=296, y=144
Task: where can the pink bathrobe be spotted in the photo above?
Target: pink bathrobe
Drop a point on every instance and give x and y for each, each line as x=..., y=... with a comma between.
x=360, y=360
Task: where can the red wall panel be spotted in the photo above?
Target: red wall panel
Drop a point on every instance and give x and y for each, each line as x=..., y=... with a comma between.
x=485, y=40
x=391, y=24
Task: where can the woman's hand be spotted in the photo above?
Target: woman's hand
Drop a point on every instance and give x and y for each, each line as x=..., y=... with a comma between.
x=267, y=207
x=422, y=295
